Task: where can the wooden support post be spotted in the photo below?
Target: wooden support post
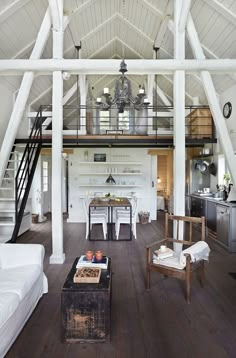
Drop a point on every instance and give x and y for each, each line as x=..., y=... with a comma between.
x=22, y=97
x=213, y=101
x=179, y=118
x=57, y=256
x=184, y=15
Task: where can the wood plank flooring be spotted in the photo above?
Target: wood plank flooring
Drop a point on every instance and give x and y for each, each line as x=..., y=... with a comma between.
x=145, y=324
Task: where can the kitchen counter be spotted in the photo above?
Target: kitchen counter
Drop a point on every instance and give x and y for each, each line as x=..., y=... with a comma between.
x=216, y=200
x=220, y=218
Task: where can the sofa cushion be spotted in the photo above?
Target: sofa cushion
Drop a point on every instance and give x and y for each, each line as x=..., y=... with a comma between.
x=19, y=280
x=8, y=304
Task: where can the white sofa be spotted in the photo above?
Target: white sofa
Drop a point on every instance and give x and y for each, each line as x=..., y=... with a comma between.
x=22, y=284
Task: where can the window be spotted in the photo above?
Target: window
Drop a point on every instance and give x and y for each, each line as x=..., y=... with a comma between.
x=45, y=176
x=123, y=120
x=104, y=120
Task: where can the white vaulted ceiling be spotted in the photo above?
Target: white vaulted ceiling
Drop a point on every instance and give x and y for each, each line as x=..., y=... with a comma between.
x=108, y=29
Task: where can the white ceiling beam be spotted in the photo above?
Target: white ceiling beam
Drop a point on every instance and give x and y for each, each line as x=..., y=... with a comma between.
x=164, y=24
x=135, y=28
x=171, y=81
x=162, y=95
x=106, y=66
x=101, y=49
x=55, y=15
x=82, y=7
x=213, y=101
x=24, y=50
x=91, y=33
x=22, y=97
x=179, y=118
x=222, y=10
x=12, y=8
x=213, y=55
x=70, y=92
x=184, y=15
x=153, y=9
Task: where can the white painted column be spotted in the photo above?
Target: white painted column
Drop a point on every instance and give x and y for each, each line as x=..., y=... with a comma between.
x=213, y=101
x=83, y=95
x=58, y=255
x=151, y=79
x=179, y=119
x=22, y=97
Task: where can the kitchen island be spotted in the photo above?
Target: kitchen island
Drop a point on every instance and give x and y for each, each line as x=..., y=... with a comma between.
x=220, y=219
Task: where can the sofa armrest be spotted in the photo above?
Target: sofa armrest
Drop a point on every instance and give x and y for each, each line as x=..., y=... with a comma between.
x=14, y=255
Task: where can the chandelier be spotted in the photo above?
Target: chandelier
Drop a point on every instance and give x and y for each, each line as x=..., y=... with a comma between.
x=123, y=94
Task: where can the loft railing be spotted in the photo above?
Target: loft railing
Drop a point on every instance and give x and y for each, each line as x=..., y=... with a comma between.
x=25, y=172
x=151, y=121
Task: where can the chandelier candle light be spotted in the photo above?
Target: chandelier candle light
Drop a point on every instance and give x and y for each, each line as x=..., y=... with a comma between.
x=123, y=94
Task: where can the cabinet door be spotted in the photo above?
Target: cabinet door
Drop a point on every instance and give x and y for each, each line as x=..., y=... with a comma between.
x=211, y=215
x=223, y=224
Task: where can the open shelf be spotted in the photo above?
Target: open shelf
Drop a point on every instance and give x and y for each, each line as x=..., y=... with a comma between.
x=112, y=163
x=114, y=174
x=112, y=185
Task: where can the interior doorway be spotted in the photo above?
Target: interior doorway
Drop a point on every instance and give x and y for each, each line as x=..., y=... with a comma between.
x=164, y=182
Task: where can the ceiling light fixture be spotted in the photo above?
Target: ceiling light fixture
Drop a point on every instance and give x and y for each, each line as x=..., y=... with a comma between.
x=123, y=94
x=123, y=89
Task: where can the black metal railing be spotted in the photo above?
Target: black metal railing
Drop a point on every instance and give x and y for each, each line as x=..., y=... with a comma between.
x=153, y=121
x=25, y=172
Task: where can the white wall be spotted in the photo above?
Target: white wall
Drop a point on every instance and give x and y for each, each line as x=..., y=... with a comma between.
x=229, y=96
x=82, y=185
x=41, y=201
x=5, y=110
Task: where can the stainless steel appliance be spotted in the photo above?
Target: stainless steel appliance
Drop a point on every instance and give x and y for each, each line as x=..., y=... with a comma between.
x=195, y=179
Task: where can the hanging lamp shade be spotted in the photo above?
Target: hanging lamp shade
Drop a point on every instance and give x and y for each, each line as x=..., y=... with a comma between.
x=110, y=180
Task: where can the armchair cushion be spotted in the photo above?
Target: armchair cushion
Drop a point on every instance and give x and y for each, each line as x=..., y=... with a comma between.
x=198, y=251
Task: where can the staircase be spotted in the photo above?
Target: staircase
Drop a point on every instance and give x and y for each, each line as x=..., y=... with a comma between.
x=7, y=198
x=15, y=215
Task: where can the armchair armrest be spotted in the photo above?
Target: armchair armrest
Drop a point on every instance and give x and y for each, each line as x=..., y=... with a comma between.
x=13, y=255
x=155, y=243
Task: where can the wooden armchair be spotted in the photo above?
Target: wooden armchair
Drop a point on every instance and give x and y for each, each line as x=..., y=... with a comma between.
x=163, y=267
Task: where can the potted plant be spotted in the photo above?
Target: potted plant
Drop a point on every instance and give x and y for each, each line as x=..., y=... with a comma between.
x=227, y=178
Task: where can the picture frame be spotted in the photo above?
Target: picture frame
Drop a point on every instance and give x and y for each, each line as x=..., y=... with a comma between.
x=100, y=157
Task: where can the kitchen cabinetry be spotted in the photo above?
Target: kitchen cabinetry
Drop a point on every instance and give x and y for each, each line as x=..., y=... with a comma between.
x=199, y=123
x=198, y=207
x=211, y=215
x=223, y=221
x=220, y=220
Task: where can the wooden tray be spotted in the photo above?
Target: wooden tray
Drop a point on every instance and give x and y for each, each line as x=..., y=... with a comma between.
x=87, y=275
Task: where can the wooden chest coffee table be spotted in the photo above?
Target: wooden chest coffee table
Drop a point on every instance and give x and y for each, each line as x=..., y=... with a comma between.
x=86, y=308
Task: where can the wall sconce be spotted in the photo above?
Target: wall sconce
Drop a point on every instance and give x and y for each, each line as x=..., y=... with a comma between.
x=158, y=179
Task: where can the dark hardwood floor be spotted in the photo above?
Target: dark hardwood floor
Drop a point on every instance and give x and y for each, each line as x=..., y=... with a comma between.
x=145, y=324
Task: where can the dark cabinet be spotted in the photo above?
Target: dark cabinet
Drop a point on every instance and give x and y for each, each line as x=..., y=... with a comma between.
x=211, y=215
x=198, y=207
x=223, y=214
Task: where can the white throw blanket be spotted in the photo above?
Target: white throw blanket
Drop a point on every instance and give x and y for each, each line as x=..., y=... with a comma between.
x=198, y=251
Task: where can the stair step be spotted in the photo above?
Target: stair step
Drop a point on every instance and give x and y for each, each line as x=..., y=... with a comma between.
x=5, y=188
x=10, y=178
x=4, y=238
x=7, y=211
x=7, y=199
x=6, y=219
x=6, y=223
